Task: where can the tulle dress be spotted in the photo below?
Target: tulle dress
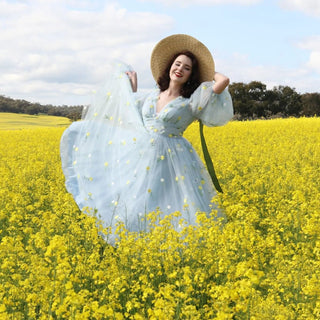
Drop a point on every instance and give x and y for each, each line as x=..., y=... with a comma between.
x=124, y=160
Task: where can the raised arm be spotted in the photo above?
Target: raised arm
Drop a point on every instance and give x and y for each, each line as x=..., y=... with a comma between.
x=133, y=80
x=220, y=82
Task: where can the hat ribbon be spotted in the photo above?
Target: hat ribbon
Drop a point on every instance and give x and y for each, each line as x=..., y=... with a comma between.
x=208, y=160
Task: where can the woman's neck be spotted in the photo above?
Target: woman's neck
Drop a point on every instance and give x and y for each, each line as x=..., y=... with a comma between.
x=173, y=90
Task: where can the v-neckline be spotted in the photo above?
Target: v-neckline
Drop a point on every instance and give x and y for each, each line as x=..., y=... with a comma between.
x=164, y=107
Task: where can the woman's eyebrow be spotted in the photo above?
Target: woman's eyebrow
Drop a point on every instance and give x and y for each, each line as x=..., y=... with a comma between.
x=187, y=65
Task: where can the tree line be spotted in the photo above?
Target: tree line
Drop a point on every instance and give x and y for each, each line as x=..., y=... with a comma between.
x=251, y=101
x=26, y=107
x=254, y=100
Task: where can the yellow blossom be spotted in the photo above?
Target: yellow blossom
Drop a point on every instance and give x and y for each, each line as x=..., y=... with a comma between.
x=262, y=262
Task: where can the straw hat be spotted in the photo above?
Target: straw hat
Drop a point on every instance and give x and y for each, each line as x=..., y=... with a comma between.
x=169, y=46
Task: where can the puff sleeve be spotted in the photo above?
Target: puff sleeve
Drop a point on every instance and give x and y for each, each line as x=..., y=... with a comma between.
x=211, y=108
x=140, y=98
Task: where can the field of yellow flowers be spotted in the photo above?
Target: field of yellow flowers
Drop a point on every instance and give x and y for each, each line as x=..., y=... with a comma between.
x=264, y=263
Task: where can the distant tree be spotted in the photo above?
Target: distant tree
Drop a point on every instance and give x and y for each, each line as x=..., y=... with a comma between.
x=257, y=95
x=4, y=104
x=74, y=115
x=250, y=101
x=240, y=97
x=55, y=111
x=310, y=104
x=293, y=103
x=31, y=109
x=286, y=101
x=272, y=103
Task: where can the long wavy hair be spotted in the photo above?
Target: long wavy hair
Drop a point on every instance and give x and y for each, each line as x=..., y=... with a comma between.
x=193, y=82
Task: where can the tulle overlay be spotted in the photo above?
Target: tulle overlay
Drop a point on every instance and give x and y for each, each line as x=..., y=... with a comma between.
x=123, y=160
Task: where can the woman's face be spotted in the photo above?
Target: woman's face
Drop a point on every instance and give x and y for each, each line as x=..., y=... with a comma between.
x=181, y=69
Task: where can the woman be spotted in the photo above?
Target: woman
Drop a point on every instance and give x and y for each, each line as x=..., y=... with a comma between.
x=128, y=157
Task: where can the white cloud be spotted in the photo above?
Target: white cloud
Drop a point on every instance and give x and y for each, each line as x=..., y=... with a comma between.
x=57, y=51
x=240, y=69
x=310, y=7
x=312, y=44
x=50, y=45
x=186, y=3
x=314, y=61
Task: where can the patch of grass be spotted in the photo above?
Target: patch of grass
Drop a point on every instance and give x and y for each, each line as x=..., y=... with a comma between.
x=15, y=121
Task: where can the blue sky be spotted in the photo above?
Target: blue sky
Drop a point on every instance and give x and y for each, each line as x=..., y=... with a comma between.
x=58, y=51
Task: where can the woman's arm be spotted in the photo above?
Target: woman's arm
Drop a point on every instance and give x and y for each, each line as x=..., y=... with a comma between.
x=133, y=79
x=221, y=82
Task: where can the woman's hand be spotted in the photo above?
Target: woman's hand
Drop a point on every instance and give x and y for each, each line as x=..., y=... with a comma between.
x=132, y=75
x=221, y=82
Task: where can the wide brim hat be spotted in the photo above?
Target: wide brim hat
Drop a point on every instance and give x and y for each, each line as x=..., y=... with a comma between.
x=166, y=48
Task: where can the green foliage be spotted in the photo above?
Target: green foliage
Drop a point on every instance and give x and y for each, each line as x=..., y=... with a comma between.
x=22, y=106
x=311, y=104
x=254, y=100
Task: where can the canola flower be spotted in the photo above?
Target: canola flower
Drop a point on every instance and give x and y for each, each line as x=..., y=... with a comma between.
x=263, y=263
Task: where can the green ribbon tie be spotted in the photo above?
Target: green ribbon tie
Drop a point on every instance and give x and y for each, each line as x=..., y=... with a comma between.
x=208, y=160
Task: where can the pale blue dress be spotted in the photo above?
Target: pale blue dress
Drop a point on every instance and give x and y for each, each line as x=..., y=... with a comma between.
x=124, y=160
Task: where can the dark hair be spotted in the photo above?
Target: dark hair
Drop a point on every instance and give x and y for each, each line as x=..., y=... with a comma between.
x=193, y=82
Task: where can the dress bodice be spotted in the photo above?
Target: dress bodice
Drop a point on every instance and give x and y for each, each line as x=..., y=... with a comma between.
x=205, y=105
x=173, y=118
